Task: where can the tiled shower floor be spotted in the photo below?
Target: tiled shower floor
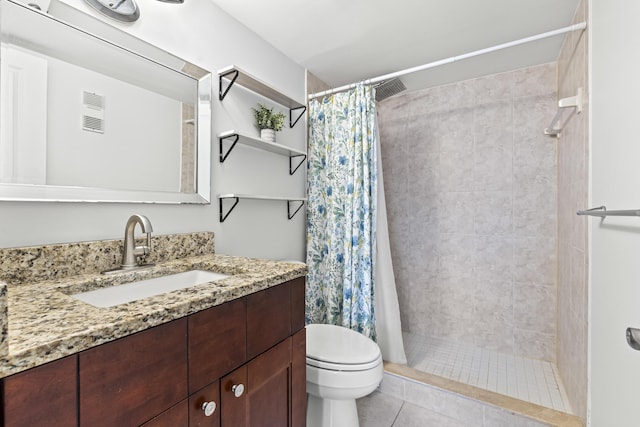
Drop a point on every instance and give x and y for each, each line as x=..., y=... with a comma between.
x=532, y=380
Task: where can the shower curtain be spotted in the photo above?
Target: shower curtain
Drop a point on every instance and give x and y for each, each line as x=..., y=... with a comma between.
x=342, y=222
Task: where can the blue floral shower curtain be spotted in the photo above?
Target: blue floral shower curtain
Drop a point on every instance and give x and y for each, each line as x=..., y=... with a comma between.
x=341, y=229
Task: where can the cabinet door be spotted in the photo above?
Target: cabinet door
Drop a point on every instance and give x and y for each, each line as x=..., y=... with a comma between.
x=201, y=413
x=217, y=342
x=43, y=396
x=266, y=400
x=131, y=380
x=268, y=318
x=233, y=400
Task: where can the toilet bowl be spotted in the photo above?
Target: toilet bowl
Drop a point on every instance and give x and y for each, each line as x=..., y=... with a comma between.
x=342, y=366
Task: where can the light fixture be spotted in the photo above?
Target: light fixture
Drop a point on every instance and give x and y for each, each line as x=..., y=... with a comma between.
x=120, y=10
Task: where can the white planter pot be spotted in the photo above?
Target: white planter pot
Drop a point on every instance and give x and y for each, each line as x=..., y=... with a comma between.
x=268, y=135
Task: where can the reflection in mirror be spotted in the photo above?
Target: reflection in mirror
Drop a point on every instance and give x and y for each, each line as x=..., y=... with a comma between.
x=83, y=118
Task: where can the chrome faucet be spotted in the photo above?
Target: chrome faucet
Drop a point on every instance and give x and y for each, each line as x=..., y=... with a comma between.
x=131, y=251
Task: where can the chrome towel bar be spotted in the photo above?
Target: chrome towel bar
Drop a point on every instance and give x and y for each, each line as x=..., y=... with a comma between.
x=602, y=212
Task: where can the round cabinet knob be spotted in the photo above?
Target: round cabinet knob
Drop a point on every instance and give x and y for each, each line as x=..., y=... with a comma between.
x=237, y=390
x=209, y=408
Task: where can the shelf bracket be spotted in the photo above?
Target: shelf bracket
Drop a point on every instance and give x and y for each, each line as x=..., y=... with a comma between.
x=292, y=171
x=223, y=155
x=223, y=92
x=292, y=122
x=289, y=202
x=223, y=215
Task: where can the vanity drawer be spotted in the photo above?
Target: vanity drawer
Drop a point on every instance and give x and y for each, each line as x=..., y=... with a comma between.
x=47, y=392
x=268, y=318
x=129, y=381
x=217, y=342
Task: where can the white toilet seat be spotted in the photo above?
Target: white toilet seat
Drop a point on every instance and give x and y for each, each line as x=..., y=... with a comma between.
x=344, y=366
x=337, y=345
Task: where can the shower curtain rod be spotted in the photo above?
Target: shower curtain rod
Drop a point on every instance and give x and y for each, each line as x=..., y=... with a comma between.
x=580, y=26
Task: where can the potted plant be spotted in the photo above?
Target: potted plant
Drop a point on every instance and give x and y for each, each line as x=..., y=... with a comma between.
x=268, y=122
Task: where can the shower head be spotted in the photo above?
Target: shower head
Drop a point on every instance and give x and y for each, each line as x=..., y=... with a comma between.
x=389, y=88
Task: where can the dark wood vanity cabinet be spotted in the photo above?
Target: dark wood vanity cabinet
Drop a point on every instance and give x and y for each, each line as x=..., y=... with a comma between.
x=238, y=364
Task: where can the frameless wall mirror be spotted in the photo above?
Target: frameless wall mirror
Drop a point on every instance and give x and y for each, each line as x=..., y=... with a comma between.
x=90, y=113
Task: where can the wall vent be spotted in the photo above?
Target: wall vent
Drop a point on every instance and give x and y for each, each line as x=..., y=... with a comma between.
x=92, y=112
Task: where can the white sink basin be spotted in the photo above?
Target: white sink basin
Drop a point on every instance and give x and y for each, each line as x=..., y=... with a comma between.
x=120, y=294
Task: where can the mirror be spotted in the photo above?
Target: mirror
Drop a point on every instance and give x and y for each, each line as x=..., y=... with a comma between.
x=91, y=113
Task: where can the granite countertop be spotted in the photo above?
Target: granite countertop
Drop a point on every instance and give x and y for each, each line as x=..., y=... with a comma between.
x=45, y=323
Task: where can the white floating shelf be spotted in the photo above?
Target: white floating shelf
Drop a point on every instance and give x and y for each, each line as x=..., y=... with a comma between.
x=252, y=196
x=261, y=144
x=237, y=197
x=256, y=85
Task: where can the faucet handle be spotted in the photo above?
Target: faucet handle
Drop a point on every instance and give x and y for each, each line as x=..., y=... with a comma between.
x=144, y=249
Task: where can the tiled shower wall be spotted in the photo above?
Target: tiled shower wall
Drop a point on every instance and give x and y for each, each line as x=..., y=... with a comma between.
x=572, y=230
x=471, y=183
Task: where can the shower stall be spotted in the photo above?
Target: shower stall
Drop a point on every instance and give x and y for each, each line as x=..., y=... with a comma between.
x=467, y=170
x=488, y=254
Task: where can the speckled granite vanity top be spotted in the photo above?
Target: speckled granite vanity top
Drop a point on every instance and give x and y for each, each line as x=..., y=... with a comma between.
x=45, y=323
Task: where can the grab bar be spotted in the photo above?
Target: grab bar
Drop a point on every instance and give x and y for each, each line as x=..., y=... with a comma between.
x=602, y=212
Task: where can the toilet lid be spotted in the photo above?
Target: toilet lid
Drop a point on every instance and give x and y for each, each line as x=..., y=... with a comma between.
x=331, y=346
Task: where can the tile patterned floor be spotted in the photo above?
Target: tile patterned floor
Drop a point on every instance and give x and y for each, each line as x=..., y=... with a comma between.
x=381, y=410
x=531, y=380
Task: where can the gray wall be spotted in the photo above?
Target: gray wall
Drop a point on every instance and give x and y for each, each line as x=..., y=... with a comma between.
x=471, y=185
x=201, y=33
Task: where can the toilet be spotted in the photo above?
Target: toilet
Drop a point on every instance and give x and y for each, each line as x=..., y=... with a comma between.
x=342, y=366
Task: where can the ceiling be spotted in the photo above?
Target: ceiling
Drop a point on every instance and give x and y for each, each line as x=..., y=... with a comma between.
x=344, y=41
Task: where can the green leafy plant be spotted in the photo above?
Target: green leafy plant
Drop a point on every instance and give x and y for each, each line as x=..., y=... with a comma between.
x=267, y=119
